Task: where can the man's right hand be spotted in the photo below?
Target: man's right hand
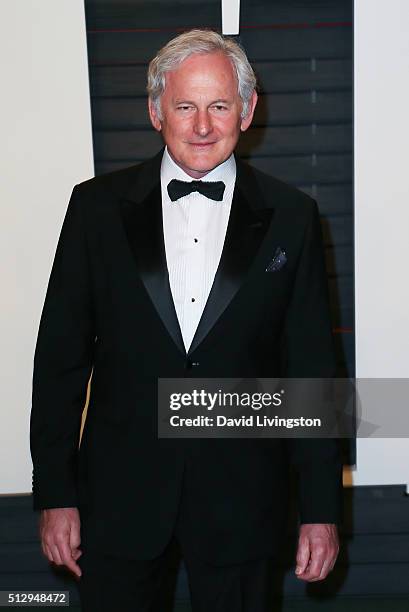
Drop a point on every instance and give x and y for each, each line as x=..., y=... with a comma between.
x=60, y=537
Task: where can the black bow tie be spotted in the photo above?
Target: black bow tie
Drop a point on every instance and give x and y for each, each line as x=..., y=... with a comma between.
x=213, y=190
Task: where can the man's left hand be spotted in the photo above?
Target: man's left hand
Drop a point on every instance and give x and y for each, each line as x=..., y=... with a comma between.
x=318, y=547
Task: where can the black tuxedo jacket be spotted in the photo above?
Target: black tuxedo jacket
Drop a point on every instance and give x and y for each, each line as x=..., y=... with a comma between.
x=109, y=312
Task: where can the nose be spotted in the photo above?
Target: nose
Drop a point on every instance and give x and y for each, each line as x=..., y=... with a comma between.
x=203, y=124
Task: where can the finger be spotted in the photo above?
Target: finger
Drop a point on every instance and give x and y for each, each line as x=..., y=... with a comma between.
x=47, y=552
x=75, y=541
x=318, y=556
x=76, y=554
x=303, y=556
x=325, y=570
x=328, y=565
x=68, y=560
x=313, y=571
x=55, y=554
x=75, y=538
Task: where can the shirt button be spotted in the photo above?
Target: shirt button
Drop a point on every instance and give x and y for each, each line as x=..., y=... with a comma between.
x=196, y=240
x=193, y=300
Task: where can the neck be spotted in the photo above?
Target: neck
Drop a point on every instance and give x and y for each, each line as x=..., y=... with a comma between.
x=195, y=174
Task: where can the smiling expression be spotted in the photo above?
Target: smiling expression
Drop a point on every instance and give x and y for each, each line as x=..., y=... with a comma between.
x=201, y=113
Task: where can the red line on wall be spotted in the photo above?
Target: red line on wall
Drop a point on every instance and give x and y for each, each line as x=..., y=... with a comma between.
x=342, y=330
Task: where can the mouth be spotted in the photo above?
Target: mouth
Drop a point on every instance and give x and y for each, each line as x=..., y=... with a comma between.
x=201, y=145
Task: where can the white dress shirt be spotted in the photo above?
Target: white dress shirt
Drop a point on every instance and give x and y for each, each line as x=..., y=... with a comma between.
x=194, y=228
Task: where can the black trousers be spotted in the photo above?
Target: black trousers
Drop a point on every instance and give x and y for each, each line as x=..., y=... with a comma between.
x=111, y=584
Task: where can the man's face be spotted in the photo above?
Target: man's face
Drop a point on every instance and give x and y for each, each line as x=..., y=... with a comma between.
x=201, y=110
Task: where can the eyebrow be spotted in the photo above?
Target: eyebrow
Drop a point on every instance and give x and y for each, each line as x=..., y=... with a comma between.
x=220, y=101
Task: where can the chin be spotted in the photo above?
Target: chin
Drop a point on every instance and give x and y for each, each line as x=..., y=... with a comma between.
x=204, y=163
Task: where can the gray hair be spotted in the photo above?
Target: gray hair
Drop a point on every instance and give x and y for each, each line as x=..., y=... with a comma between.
x=200, y=42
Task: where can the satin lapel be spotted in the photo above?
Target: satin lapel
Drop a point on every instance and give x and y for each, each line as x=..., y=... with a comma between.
x=144, y=229
x=246, y=229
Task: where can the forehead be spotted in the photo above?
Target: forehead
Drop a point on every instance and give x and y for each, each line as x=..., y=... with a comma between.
x=201, y=72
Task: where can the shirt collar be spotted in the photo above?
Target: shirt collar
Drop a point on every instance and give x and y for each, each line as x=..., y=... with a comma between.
x=225, y=172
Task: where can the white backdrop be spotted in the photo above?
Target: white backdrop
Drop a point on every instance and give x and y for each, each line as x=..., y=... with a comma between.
x=46, y=148
x=382, y=218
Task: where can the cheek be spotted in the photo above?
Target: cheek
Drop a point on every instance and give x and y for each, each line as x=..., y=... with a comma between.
x=173, y=127
x=181, y=129
x=230, y=129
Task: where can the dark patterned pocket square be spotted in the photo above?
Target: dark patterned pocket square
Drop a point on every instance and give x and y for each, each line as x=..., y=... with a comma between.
x=279, y=260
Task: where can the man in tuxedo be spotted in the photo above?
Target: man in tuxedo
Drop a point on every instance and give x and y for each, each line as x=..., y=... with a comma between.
x=164, y=270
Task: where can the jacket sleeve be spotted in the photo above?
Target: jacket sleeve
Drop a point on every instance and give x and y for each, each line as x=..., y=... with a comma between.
x=308, y=352
x=63, y=361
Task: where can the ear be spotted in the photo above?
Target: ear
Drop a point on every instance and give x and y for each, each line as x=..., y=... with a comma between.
x=153, y=115
x=246, y=121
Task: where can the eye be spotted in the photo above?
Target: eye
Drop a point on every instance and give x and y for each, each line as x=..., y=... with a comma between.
x=184, y=107
x=220, y=107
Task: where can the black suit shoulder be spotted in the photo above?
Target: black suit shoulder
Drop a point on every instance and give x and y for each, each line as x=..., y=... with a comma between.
x=115, y=183
x=277, y=193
